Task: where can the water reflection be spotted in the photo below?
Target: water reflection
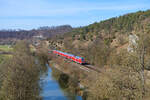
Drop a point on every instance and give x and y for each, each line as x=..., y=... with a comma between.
x=52, y=90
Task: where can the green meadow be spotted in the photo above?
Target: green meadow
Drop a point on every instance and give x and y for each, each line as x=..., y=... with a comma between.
x=6, y=48
x=4, y=57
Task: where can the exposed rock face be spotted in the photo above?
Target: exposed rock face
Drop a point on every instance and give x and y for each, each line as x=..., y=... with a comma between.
x=132, y=42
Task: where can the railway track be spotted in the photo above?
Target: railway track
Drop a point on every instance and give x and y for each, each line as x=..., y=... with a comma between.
x=93, y=68
x=87, y=65
x=90, y=67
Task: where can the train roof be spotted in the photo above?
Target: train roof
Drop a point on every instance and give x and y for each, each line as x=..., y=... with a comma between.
x=79, y=57
x=69, y=54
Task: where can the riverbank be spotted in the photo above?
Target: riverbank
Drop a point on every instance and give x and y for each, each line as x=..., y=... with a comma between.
x=58, y=86
x=103, y=82
x=84, y=76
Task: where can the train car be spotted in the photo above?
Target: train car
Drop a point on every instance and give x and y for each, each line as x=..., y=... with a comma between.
x=74, y=58
x=79, y=60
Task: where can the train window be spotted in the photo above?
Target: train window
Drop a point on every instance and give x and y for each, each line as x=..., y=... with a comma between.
x=82, y=59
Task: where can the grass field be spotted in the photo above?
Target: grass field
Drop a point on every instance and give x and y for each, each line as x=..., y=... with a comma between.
x=4, y=57
x=6, y=48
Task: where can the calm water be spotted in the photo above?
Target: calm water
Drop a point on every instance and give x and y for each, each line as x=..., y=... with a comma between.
x=52, y=90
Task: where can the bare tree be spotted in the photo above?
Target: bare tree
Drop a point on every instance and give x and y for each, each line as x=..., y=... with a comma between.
x=142, y=52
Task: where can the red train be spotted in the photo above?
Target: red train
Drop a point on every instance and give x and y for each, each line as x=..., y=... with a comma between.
x=74, y=58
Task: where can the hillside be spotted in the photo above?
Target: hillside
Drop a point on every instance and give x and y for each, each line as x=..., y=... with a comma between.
x=133, y=22
x=105, y=45
x=107, y=35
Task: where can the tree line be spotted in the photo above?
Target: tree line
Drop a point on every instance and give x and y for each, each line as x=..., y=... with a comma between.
x=24, y=34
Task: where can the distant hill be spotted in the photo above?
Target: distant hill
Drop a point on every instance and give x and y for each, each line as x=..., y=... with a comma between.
x=44, y=31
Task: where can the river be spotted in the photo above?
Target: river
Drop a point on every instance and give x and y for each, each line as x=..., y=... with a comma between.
x=53, y=91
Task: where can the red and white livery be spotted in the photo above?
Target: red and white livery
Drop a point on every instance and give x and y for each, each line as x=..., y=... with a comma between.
x=74, y=58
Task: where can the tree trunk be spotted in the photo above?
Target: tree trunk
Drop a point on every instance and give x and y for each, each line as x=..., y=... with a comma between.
x=142, y=64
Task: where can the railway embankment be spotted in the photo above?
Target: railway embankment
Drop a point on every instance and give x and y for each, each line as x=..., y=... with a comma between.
x=85, y=75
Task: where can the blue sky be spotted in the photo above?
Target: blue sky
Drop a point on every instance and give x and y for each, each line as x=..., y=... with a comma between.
x=28, y=14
